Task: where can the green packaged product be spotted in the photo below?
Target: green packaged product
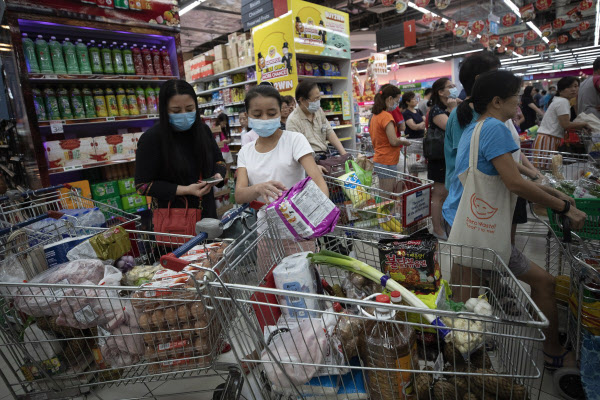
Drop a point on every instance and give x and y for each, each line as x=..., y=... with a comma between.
x=122, y=102
x=133, y=202
x=56, y=53
x=111, y=103
x=51, y=104
x=77, y=103
x=106, y=56
x=128, y=60
x=117, y=59
x=38, y=103
x=88, y=103
x=70, y=54
x=126, y=186
x=132, y=101
x=30, y=57
x=83, y=58
x=95, y=58
x=140, y=274
x=43, y=56
x=114, y=202
x=64, y=106
x=105, y=190
x=100, y=103
x=151, y=101
x=111, y=244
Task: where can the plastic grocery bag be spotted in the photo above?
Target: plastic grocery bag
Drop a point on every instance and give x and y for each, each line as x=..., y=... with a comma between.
x=352, y=179
x=303, y=344
x=108, y=245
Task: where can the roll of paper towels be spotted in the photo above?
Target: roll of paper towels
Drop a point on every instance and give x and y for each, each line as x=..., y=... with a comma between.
x=295, y=273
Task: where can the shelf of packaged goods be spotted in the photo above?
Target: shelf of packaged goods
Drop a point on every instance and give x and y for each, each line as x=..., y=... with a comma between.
x=310, y=57
x=321, y=79
x=65, y=78
x=225, y=87
x=329, y=113
x=221, y=74
x=342, y=126
x=224, y=209
x=60, y=170
x=237, y=103
x=206, y=105
x=331, y=96
x=99, y=120
x=365, y=103
x=215, y=116
x=222, y=192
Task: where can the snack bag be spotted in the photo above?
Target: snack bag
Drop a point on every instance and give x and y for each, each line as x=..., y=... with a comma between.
x=108, y=245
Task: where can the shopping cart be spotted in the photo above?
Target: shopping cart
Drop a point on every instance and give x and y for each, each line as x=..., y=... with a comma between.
x=77, y=334
x=279, y=333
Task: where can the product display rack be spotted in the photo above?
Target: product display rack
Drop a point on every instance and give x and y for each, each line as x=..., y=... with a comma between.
x=36, y=132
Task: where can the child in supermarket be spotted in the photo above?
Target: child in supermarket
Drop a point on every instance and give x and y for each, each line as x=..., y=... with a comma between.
x=225, y=137
x=248, y=135
x=175, y=154
x=495, y=98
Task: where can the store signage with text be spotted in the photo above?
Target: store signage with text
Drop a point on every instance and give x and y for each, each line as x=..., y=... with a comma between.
x=397, y=36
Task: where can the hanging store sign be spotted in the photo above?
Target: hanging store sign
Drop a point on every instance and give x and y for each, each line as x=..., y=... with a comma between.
x=255, y=12
x=397, y=36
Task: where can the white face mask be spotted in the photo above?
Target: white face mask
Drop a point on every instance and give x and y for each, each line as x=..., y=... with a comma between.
x=314, y=106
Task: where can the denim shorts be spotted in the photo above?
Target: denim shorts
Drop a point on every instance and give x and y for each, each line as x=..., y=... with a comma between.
x=390, y=167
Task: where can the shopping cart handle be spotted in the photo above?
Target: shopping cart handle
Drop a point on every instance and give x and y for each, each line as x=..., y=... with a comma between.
x=566, y=227
x=49, y=214
x=38, y=191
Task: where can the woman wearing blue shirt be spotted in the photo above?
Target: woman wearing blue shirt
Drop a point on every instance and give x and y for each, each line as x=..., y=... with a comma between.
x=495, y=98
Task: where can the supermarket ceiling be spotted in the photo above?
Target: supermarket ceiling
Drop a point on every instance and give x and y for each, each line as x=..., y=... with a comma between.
x=221, y=17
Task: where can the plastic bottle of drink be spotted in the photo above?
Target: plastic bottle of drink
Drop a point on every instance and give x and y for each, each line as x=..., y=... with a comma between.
x=151, y=100
x=128, y=60
x=388, y=345
x=117, y=59
x=111, y=103
x=51, y=104
x=83, y=58
x=122, y=102
x=64, y=106
x=30, y=57
x=88, y=102
x=147, y=57
x=100, y=102
x=132, y=101
x=138, y=60
x=43, y=56
x=77, y=103
x=95, y=58
x=166, y=61
x=141, y=100
x=106, y=56
x=157, y=62
x=38, y=103
x=70, y=54
x=58, y=62
x=156, y=92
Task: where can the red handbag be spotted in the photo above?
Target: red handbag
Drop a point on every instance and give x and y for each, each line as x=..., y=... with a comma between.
x=179, y=221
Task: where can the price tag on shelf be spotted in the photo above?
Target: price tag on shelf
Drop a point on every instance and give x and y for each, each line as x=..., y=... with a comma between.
x=152, y=116
x=56, y=127
x=110, y=118
x=51, y=76
x=73, y=167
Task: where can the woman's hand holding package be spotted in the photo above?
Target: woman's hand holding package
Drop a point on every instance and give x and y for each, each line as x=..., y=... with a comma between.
x=269, y=191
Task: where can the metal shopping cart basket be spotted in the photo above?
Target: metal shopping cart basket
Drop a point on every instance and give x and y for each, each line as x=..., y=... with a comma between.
x=75, y=333
x=299, y=346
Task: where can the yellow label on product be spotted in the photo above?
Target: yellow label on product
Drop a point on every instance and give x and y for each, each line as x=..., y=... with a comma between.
x=346, y=105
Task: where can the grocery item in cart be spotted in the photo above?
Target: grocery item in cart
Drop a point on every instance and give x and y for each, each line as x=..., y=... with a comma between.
x=295, y=273
x=305, y=211
x=41, y=345
x=108, y=245
x=412, y=262
x=121, y=341
x=354, y=182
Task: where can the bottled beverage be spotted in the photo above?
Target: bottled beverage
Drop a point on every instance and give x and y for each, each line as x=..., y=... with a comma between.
x=157, y=62
x=389, y=345
x=147, y=57
x=138, y=60
x=151, y=100
x=122, y=102
x=141, y=100
x=132, y=101
x=77, y=103
x=106, y=56
x=88, y=102
x=95, y=58
x=166, y=61
x=30, y=55
x=156, y=93
x=64, y=106
x=83, y=58
x=51, y=103
x=56, y=53
x=128, y=60
x=100, y=103
x=111, y=103
x=117, y=59
x=70, y=54
x=38, y=103
x=43, y=55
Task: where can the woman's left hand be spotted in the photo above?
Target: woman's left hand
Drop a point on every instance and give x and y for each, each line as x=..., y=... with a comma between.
x=217, y=176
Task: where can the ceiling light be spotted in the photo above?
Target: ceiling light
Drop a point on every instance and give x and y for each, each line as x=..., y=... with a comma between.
x=438, y=60
x=597, y=27
x=364, y=29
x=534, y=28
x=545, y=39
x=466, y=52
x=190, y=7
x=513, y=7
x=374, y=44
x=387, y=51
x=425, y=11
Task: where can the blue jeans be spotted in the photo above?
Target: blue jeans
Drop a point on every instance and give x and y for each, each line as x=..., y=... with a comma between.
x=390, y=167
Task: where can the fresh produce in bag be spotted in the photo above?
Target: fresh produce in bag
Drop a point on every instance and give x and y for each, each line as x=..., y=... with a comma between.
x=108, y=245
x=140, y=274
x=358, y=195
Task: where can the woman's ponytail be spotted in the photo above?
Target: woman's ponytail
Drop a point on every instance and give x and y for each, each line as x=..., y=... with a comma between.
x=464, y=112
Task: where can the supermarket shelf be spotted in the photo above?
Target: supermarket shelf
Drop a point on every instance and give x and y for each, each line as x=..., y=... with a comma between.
x=215, y=116
x=321, y=79
x=333, y=113
x=206, y=105
x=222, y=192
x=60, y=170
x=221, y=74
x=224, y=209
x=237, y=103
x=306, y=56
x=62, y=78
x=100, y=120
x=342, y=126
x=226, y=87
x=331, y=96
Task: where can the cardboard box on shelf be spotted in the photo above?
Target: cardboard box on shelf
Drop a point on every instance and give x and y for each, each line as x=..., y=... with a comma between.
x=232, y=37
x=241, y=37
x=220, y=52
x=104, y=190
x=234, y=63
x=203, y=58
x=126, y=186
x=133, y=202
x=114, y=201
x=70, y=152
x=221, y=66
x=231, y=50
x=82, y=188
x=115, y=147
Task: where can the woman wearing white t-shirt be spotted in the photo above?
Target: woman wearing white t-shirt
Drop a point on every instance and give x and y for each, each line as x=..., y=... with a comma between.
x=558, y=117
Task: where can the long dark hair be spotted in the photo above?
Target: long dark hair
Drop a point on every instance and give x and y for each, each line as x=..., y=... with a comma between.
x=527, y=91
x=435, y=98
x=227, y=130
x=381, y=96
x=204, y=142
x=503, y=84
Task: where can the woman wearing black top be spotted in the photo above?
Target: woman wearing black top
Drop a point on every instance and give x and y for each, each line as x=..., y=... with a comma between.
x=529, y=109
x=415, y=126
x=177, y=153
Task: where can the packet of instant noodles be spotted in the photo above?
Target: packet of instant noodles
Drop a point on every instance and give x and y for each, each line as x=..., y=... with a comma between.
x=305, y=211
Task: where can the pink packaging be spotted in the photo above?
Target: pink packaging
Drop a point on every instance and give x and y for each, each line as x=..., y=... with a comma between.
x=305, y=211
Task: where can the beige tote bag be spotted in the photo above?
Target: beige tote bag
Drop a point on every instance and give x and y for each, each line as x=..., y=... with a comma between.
x=484, y=216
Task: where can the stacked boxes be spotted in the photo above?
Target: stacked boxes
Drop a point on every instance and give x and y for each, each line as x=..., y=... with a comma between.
x=119, y=194
x=199, y=66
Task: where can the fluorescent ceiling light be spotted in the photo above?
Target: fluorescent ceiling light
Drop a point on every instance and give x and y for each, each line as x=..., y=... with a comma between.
x=597, y=26
x=467, y=52
x=425, y=11
x=534, y=28
x=513, y=7
x=545, y=39
x=190, y=6
x=387, y=51
x=438, y=60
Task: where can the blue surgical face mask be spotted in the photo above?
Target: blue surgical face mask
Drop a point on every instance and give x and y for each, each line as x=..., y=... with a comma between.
x=454, y=92
x=264, y=127
x=314, y=106
x=182, y=121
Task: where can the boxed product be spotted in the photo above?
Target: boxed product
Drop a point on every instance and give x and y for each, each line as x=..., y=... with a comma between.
x=126, y=186
x=115, y=147
x=232, y=50
x=220, y=52
x=221, y=65
x=133, y=201
x=105, y=190
x=114, y=201
x=136, y=138
x=233, y=62
x=70, y=152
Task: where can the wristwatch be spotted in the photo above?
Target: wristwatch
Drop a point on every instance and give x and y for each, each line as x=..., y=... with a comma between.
x=566, y=209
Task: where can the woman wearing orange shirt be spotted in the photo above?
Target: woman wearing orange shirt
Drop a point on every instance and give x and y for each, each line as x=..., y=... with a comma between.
x=383, y=133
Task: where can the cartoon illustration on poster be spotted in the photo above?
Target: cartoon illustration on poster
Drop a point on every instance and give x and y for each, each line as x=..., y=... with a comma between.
x=319, y=30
